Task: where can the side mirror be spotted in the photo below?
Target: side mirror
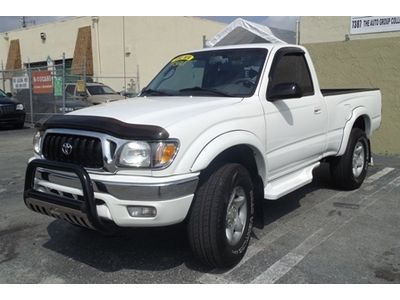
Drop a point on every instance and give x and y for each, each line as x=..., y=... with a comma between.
x=9, y=95
x=284, y=91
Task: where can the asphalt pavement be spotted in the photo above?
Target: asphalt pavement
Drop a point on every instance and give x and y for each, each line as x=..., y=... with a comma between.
x=314, y=235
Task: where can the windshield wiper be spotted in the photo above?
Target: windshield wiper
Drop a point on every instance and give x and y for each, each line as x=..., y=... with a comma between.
x=200, y=89
x=154, y=92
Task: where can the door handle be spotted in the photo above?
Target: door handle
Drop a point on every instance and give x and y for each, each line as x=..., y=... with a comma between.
x=317, y=110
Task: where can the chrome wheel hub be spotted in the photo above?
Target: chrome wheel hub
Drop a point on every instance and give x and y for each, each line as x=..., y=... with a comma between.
x=358, y=159
x=236, y=216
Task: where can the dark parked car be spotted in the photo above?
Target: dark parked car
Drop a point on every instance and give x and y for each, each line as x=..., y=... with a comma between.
x=12, y=112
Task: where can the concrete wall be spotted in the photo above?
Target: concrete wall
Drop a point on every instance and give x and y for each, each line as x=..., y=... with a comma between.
x=365, y=63
x=333, y=29
x=151, y=41
x=61, y=37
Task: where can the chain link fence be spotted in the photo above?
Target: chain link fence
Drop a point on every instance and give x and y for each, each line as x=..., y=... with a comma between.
x=57, y=89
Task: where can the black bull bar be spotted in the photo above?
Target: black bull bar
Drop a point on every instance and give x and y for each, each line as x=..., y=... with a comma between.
x=56, y=203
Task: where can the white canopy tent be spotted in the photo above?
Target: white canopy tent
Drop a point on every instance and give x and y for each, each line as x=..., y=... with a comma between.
x=241, y=31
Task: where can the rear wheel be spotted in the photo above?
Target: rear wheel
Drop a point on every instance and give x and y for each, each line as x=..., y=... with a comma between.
x=221, y=217
x=349, y=171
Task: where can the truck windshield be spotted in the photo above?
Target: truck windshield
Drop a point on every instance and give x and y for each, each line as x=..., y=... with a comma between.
x=228, y=73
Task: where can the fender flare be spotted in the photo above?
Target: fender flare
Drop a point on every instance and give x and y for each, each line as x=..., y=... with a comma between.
x=357, y=112
x=227, y=140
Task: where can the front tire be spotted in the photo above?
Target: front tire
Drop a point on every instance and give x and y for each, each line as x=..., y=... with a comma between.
x=221, y=217
x=348, y=171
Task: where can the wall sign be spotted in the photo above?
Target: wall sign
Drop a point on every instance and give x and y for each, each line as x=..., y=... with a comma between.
x=20, y=82
x=362, y=25
x=58, y=86
x=42, y=82
x=81, y=86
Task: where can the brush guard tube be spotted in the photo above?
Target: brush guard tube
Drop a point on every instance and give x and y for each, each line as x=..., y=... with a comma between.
x=87, y=207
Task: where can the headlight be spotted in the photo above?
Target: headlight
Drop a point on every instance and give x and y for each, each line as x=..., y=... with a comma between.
x=141, y=154
x=19, y=107
x=136, y=154
x=37, y=140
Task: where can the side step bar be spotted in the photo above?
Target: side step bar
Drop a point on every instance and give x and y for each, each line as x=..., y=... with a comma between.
x=290, y=182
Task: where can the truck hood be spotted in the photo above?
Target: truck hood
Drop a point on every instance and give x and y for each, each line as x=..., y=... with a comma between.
x=160, y=111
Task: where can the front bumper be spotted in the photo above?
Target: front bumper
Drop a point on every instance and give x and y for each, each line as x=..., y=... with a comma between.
x=13, y=118
x=67, y=191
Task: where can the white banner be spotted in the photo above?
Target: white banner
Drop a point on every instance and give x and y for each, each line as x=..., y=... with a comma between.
x=20, y=82
x=360, y=25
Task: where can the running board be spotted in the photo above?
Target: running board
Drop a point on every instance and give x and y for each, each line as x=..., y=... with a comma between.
x=289, y=183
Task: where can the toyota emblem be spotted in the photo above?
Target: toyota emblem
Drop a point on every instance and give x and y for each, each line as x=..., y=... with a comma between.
x=66, y=148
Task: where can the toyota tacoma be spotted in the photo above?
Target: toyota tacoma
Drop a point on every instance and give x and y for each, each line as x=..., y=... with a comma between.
x=214, y=133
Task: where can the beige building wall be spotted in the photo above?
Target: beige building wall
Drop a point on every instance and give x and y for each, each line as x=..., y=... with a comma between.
x=366, y=60
x=333, y=29
x=372, y=63
x=120, y=45
x=150, y=42
x=60, y=37
x=172, y=36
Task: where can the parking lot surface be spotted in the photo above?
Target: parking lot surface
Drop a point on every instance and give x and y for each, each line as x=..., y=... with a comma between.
x=314, y=235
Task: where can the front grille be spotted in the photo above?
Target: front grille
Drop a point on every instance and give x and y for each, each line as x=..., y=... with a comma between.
x=7, y=109
x=85, y=151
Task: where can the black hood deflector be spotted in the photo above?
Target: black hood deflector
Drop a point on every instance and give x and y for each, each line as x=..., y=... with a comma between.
x=106, y=125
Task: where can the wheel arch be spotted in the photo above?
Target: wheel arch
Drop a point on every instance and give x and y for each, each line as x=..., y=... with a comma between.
x=359, y=119
x=239, y=146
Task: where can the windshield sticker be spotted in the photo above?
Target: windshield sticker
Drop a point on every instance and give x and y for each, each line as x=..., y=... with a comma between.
x=180, y=60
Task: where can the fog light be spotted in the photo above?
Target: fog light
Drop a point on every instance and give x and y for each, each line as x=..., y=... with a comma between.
x=142, y=211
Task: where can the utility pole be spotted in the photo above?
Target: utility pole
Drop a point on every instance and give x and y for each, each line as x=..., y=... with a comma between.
x=23, y=22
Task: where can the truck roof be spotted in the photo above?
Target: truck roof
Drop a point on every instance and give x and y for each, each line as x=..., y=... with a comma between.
x=267, y=46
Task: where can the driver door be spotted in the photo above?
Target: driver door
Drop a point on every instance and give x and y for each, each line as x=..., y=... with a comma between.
x=295, y=124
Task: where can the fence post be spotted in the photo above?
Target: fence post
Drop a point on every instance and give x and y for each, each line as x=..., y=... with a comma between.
x=2, y=75
x=63, y=83
x=124, y=51
x=137, y=79
x=30, y=89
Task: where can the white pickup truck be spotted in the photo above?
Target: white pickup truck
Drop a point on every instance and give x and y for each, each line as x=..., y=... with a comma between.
x=215, y=132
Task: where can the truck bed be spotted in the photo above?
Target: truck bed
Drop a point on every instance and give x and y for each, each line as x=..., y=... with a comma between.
x=332, y=92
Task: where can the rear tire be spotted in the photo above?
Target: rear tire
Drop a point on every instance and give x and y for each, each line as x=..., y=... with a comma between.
x=348, y=171
x=221, y=218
